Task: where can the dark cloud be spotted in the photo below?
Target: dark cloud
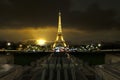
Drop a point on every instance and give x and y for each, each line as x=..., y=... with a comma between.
x=31, y=13
x=40, y=13
x=82, y=5
x=95, y=18
x=5, y=2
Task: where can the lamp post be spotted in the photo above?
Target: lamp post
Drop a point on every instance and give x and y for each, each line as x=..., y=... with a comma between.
x=8, y=45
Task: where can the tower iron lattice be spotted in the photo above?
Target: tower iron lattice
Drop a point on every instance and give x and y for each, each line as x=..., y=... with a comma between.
x=59, y=42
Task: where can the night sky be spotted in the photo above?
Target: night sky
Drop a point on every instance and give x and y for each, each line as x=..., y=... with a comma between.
x=82, y=20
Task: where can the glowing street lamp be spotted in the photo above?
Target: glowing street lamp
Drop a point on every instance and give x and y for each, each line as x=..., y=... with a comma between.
x=8, y=44
x=99, y=45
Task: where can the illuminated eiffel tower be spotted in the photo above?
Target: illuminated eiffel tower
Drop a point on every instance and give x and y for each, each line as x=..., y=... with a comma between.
x=59, y=42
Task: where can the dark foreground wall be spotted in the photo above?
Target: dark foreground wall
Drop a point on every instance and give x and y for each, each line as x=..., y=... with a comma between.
x=91, y=58
x=27, y=58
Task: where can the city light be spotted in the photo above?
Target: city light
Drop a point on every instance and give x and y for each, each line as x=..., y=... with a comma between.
x=41, y=42
x=99, y=45
x=8, y=44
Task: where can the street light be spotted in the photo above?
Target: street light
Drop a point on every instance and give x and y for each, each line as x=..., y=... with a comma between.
x=99, y=45
x=8, y=44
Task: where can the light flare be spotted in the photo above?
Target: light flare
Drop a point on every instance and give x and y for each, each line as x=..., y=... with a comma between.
x=41, y=42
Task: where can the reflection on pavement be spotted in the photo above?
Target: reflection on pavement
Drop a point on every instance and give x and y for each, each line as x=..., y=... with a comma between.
x=5, y=67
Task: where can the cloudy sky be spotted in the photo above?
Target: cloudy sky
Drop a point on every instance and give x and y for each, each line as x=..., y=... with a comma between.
x=82, y=20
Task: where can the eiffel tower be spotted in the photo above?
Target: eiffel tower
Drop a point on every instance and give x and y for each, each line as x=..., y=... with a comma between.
x=59, y=42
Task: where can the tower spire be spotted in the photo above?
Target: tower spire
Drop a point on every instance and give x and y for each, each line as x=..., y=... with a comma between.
x=59, y=23
x=59, y=39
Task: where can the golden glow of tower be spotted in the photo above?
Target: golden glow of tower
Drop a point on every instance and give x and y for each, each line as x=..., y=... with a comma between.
x=59, y=42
